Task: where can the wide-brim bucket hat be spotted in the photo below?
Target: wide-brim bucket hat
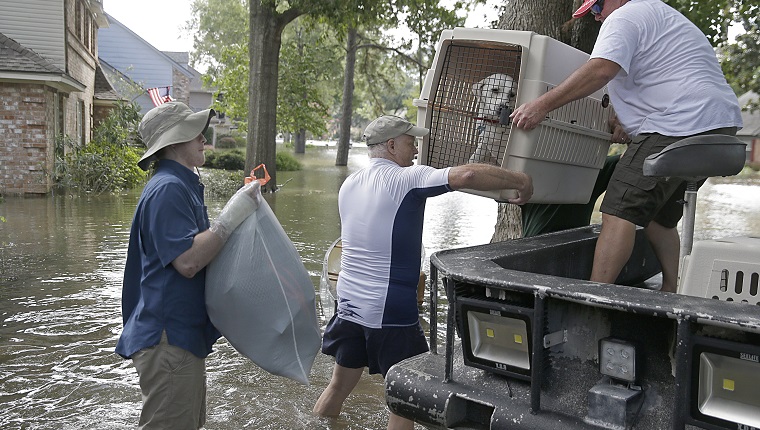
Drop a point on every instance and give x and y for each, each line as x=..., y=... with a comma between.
x=169, y=124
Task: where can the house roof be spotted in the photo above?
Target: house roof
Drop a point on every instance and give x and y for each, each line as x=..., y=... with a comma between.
x=751, y=120
x=17, y=58
x=123, y=85
x=103, y=88
x=18, y=62
x=181, y=68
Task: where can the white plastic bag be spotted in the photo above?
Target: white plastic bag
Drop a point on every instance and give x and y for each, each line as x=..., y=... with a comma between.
x=260, y=297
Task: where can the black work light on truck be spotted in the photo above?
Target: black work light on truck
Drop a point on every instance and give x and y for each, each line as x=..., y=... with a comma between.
x=726, y=378
x=497, y=336
x=618, y=359
x=616, y=402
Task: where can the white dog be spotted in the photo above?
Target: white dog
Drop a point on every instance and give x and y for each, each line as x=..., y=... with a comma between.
x=495, y=96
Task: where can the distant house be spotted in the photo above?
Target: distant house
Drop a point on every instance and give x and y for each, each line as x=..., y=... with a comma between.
x=750, y=134
x=140, y=63
x=48, y=75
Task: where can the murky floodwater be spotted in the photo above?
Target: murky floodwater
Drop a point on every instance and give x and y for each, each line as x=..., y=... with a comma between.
x=61, y=262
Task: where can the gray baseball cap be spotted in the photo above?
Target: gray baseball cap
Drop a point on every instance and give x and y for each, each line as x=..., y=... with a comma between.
x=168, y=124
x=391, y=126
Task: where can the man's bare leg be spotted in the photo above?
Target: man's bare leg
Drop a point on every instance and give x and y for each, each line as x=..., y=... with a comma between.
x=613, y=248
x=396, y=422
x=667, y=246
x=331, y=400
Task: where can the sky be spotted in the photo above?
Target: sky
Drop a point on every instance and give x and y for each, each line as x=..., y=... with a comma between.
x=159, y=22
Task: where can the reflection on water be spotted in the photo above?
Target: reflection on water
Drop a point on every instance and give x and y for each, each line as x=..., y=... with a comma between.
x=61, y=262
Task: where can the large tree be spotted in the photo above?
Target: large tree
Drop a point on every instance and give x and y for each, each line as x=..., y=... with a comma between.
x=267, y=23
x=551, y=18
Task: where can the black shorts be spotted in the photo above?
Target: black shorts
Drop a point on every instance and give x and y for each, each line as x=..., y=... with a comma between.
x=355, y=346
x=641, y=199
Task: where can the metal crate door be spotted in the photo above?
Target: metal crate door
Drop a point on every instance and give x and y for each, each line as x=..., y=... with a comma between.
x=458, y=121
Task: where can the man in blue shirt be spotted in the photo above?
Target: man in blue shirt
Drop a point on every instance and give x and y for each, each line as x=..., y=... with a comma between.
x=167, y=332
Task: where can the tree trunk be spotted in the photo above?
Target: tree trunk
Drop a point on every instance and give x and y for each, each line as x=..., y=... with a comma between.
x=300, y=142
x=264, y=53
x=552, y=18
x=347, y=109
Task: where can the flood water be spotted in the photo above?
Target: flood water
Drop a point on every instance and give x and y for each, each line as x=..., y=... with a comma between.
x=61, y=262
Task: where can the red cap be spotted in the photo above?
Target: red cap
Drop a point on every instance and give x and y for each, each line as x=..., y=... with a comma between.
x=585, y=7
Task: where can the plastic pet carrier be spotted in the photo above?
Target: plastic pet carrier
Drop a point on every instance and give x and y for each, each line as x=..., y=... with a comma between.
x=477, y=79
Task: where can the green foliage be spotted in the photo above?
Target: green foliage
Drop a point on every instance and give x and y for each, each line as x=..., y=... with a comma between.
x=227, y=160
x=309, y=58
x=741, y=62
x=287, y=162
x=382, y=84
x=217, y=24
x=109, y=161
x=231, y=78
x=229, y=142
x=221, y=183
x=426, y=19
x=310, y=72
x=308, y=63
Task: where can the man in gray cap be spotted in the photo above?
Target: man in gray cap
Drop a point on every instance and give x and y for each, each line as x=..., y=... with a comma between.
x=382, y=208
x=167, y=332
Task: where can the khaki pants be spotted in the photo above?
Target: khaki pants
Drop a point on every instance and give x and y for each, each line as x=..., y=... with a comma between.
x=173, y=385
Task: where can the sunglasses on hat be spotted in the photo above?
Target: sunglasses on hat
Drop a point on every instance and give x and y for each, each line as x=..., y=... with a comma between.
x=597, y=7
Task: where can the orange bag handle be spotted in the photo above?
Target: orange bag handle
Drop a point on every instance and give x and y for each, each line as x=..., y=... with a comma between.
x=253, y=177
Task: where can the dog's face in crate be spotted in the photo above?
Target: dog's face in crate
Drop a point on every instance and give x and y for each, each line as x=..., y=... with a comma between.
x=494, y=93
x=495, y=101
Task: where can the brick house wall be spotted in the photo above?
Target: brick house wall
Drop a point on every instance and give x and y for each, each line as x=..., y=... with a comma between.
x=26, y=156
x=33, y=112
x=100, y=113
x=181, y=87
x=81, y=64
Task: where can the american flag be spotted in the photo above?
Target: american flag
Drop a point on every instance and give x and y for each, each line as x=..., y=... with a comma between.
x=157, y=98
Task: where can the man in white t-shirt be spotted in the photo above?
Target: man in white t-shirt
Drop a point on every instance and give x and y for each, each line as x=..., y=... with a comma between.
x=665, y=84
x=382, y=208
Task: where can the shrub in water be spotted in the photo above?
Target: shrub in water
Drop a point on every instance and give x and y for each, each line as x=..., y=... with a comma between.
x=109, y=161
x=221, y=183
x=233, y=159
x=287, y=162
x=229, y=142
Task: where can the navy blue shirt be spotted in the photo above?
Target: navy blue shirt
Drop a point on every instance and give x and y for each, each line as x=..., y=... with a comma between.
x=155, y=297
